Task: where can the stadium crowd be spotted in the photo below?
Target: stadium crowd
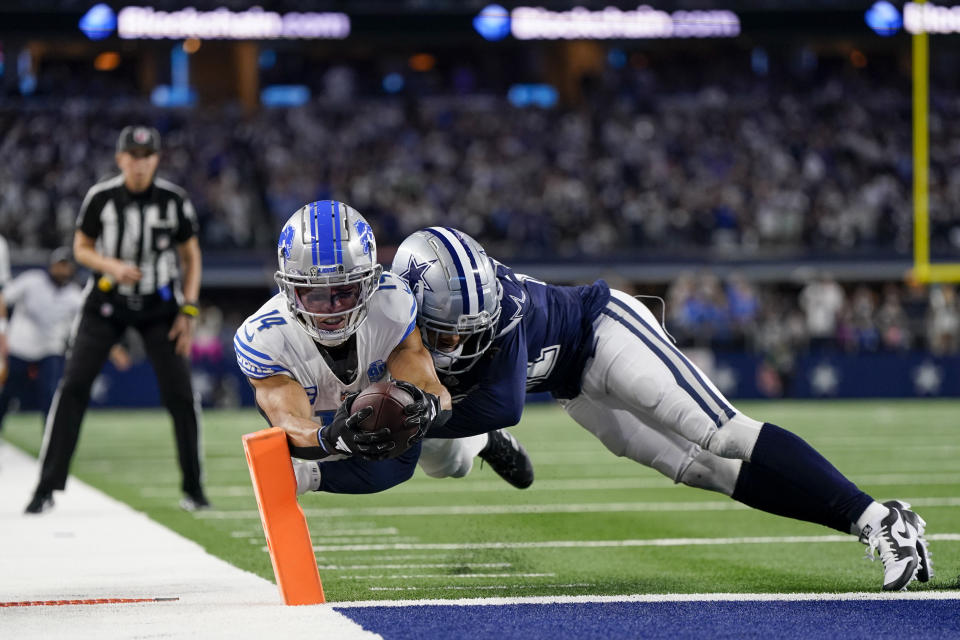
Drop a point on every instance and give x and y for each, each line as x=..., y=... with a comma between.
x=820, y=315
x=655, y=164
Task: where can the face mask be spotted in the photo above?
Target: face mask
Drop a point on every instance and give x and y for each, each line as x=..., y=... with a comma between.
x=445, y=359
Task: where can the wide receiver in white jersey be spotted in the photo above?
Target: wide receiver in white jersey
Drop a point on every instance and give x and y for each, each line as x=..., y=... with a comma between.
x=339, y=324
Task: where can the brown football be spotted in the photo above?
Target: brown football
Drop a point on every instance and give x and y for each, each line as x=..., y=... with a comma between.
x=388, y=401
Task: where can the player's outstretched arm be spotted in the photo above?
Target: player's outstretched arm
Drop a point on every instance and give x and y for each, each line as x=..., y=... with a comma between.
x=410, y=363
x=285, y=404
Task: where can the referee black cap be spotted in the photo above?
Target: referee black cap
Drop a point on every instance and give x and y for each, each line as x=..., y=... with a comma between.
x=139, y=138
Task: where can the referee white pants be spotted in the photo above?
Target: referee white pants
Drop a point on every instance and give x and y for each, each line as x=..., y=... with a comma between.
x=648, y=402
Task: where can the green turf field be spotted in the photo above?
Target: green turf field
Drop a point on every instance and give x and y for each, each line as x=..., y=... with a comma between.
x=477, y=536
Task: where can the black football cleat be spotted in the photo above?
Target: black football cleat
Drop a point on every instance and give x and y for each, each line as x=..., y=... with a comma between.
x=508, y=458
x=194, y=501
x=925, y=569
x=42, y=501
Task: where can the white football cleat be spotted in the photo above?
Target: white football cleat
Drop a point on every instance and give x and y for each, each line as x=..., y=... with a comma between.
x=925, y=570
x=896, y=540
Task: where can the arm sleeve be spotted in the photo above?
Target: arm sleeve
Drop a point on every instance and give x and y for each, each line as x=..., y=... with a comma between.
x=355, y=475
x=187, y=225
x=88, y=219
x=498, y=401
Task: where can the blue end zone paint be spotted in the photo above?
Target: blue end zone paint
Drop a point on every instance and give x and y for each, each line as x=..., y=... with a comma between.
x=783, y=620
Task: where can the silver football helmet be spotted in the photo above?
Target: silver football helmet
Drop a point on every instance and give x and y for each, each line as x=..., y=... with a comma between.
x=458, y=295
x=328, y=269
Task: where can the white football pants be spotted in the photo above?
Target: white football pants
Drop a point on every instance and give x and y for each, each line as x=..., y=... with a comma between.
x=646, y=401
x=450, y=458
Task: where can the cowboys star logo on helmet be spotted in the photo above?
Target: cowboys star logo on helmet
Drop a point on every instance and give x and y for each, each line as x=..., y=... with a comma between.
x=415, y=271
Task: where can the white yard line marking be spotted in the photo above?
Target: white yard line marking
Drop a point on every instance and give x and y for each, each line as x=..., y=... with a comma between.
x=485, y=587
x=213, y=491
x=658, y=597
x=385, y=531
x=500, y=509
x=355, y=540
x=449, y=576
x=596, y=544
x=435, y=565
x=456, y=485
x=407, y=556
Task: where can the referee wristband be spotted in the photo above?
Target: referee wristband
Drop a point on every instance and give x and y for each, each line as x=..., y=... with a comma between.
x=189, y=309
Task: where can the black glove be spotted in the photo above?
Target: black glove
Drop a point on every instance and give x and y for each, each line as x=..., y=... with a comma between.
x=424, y=412
x=343, y=434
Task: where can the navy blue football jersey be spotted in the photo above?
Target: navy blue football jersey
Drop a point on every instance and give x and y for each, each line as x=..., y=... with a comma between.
x=544, y=338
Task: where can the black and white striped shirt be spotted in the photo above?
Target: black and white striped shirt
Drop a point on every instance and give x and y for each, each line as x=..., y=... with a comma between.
x=143, y=229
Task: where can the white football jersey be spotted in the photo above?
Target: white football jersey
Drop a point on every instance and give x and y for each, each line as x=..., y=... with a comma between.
x=270, y=343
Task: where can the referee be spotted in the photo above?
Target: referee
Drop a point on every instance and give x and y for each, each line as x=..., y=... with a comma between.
x=130, y=232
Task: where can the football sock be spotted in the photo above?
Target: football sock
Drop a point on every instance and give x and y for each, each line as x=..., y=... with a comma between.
x=873, y=514
x=762, y=488
x=789, y=456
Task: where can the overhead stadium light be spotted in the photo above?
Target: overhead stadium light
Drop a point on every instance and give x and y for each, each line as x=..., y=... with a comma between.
x=99, y=22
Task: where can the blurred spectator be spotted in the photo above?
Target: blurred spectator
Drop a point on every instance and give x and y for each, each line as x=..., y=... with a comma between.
x=863, y=308
x=744, y=306
x=821, y=301
x=781, y=334
x=892, y=322
x=943, y=321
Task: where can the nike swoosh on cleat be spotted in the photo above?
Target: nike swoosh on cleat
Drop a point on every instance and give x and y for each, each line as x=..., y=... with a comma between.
x=902, y=537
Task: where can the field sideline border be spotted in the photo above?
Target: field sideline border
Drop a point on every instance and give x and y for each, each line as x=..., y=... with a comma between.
x=657, y=597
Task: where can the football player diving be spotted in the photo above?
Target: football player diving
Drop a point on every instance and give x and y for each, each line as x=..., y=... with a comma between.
x=337, y=325
x=615, y=371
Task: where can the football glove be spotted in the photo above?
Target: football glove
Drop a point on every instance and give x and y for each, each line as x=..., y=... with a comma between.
x=344, y=436
x=424, y=412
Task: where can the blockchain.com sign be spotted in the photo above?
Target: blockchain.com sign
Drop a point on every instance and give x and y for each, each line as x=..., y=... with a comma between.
x=917, y=17
x=494, y=22
x=220, y=24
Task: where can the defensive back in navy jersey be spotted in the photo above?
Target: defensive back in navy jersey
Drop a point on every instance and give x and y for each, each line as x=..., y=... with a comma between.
x=544, y=337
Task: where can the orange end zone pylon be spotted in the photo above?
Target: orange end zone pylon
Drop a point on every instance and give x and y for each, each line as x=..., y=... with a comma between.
x=284, y=524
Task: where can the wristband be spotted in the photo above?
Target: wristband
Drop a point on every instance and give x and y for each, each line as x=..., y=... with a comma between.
x=323, y=445
x=3, y=325
x=189, y=309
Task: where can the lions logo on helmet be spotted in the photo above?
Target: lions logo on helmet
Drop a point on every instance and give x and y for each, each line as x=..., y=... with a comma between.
x=458, y=295
x=328, y=269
